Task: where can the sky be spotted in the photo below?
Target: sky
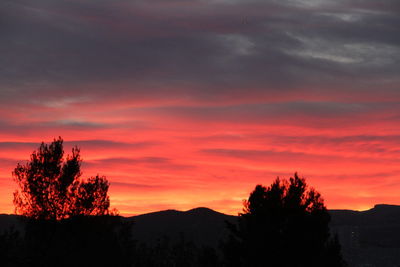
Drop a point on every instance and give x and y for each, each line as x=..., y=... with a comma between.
x=188, y=103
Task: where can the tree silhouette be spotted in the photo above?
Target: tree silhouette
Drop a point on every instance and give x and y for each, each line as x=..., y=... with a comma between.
x=66, y=220
x=283, y=225
x=50, y=186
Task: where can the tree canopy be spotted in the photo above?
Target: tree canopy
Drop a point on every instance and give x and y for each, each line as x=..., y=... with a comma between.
x=50, y=186
x=285, y=224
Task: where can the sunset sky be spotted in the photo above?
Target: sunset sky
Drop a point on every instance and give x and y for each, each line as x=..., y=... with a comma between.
x=187, y=103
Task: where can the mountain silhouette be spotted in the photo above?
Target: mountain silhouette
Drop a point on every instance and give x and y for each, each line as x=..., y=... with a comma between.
x=371, y=237
x=368, y=238
x=203, y=226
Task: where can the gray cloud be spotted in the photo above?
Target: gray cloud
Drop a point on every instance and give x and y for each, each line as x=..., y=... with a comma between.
x=159, y=163
x=309, y=114
x=202, y=51
x=135, y=186
x=21, y=127
x=18, y=127
x=273, y=156
x=105, y=144
x=86, y=144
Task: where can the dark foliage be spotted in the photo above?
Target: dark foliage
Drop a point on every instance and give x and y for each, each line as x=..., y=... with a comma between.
x=10, y=244
x=182, y=253
x=284, y=225
x=50, y=186
x=77, y=241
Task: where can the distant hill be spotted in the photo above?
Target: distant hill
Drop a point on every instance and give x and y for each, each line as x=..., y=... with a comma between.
x=369, y=238
x=201, y=225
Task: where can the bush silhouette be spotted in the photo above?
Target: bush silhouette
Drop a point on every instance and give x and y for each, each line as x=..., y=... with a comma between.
x=283, y=225
x=50, y=186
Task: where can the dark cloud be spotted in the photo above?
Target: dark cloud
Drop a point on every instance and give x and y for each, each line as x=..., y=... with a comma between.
x=73, y=124
x=262, y=155
x=304, y=139
x=106, y=144
x=7, y=163
x=18, y=127
x=159, y=163
x=309, y=114
x=146, y=160
x=135, y=186
x=85, y=144
x=22, y=126
x=206, y=50
x=275, y=156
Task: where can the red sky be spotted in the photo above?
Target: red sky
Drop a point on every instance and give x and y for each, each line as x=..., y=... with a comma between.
x=184, y=105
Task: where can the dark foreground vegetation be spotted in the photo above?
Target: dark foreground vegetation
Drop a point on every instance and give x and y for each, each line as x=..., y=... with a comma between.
x=67, y=222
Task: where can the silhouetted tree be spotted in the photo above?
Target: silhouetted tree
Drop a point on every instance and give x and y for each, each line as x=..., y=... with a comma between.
x=67, y=219
x=50, y=186
x=283, y=225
